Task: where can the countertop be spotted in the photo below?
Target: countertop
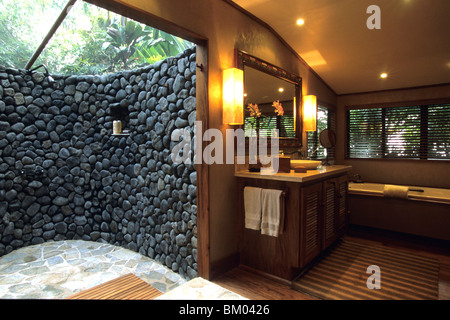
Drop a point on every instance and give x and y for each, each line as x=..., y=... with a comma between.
x=309, y=176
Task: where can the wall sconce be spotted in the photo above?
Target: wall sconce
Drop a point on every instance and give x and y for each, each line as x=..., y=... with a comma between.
x=310, y=113
x=233, y=96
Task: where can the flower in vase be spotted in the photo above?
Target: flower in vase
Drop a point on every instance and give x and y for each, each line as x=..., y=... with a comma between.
x=278, y=108
x=254, y=110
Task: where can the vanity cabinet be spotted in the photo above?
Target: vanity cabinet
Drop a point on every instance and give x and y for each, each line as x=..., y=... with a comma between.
x=310, y=228
x=335, y=210
x=316, y=215
x=324, y=216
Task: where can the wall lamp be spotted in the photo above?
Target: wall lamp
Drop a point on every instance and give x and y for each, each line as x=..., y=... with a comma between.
x=310, y=113
x=233, y=96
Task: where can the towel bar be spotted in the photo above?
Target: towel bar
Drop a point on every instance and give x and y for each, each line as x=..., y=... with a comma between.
x=284, y=191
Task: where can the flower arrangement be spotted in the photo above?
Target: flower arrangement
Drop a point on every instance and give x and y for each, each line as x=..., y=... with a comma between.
x=254, y=110
x=278, y=108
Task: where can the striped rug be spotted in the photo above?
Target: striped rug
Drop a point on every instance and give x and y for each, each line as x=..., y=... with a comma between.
x=342, y=274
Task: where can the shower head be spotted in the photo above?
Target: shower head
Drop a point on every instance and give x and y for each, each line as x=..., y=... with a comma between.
x=47, y=74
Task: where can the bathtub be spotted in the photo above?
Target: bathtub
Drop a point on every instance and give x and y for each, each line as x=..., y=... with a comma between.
x=436, y=195
x=425, y=211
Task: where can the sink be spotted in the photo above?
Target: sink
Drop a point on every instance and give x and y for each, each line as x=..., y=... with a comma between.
x=308, y=164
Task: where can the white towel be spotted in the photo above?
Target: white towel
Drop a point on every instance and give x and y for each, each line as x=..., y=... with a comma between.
x=392, y=191
x=252, y=205
x=272, y=220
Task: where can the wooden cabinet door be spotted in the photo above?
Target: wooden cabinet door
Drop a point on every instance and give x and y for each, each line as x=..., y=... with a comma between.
x=310, y=226
x=335, y=211
x=342, y=198
x=330, y=213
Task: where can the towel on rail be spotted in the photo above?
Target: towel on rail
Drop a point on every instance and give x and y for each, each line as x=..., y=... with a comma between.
x=392, y=191
x=252, y=205
x=272, y=220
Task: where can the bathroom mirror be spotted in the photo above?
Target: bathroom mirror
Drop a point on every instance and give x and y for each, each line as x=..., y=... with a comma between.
x=271, y=100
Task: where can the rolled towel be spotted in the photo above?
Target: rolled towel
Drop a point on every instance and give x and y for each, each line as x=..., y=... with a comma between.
x=252, y=206
x=392, y=191
x=272, y=220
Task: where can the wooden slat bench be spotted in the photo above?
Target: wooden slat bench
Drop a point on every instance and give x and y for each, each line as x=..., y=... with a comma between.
x=127, y=287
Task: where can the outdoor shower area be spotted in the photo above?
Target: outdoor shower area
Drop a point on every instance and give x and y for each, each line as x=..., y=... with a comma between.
x=67, y=171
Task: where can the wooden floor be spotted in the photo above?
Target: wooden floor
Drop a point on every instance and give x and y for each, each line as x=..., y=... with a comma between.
x=257, y=287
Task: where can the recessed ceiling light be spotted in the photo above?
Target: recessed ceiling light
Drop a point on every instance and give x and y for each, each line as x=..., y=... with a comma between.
x=383, y=75
x=300, y=22
x=281, y=89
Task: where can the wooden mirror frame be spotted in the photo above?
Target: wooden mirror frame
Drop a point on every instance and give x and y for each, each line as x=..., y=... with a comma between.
x=243, y=59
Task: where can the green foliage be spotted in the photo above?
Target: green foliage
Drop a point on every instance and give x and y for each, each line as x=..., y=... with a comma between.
x=123, y=38
x=133, y=44
x=159, y=46
x=89, y=56
x=91, y=40
x=23, y=25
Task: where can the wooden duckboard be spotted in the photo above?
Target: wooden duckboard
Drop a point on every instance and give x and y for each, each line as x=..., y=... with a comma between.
x=126, y=287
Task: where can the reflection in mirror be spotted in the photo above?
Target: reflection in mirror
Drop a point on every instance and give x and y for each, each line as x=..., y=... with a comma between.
x=269, y=104
x=266, y=108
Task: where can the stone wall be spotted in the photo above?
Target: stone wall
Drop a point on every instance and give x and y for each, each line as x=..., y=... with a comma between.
x=64, y=175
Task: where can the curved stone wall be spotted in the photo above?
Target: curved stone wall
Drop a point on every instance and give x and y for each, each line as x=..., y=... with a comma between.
x=64, y=175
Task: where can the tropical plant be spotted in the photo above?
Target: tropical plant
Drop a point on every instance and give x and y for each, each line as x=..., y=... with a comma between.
x=90, y=58
x=123, y=38
x=159, y=46
x=90, y=40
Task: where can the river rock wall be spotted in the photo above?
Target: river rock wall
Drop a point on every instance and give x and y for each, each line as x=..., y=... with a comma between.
x=65, y=175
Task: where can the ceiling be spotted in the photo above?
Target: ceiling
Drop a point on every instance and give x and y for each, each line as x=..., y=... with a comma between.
x=412, y=46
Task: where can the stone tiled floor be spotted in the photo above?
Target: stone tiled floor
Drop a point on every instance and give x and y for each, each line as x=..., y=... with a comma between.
x=56, y=270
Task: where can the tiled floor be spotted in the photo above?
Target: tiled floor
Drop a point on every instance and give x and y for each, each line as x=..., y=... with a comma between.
x=56, y=270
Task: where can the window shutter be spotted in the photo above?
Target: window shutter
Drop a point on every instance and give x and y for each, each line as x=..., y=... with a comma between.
x=365, y=130
x=402, y=132
x=331, y=126
x=326, y=119
x=411, y=132
x=439, y=132
x=269, y=123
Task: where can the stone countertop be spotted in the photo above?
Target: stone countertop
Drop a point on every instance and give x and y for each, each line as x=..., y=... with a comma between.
x=309, y=176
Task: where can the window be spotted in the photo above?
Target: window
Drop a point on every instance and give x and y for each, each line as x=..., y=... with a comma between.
x=325, y=120
x=410, y=132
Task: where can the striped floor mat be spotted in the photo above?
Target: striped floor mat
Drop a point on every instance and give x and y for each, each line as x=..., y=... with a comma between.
x=343, y=275
x=127, y=287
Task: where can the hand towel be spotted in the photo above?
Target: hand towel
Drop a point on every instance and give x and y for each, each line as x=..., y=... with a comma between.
x=272, y=220
x=252, y=205
x=392, y=191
